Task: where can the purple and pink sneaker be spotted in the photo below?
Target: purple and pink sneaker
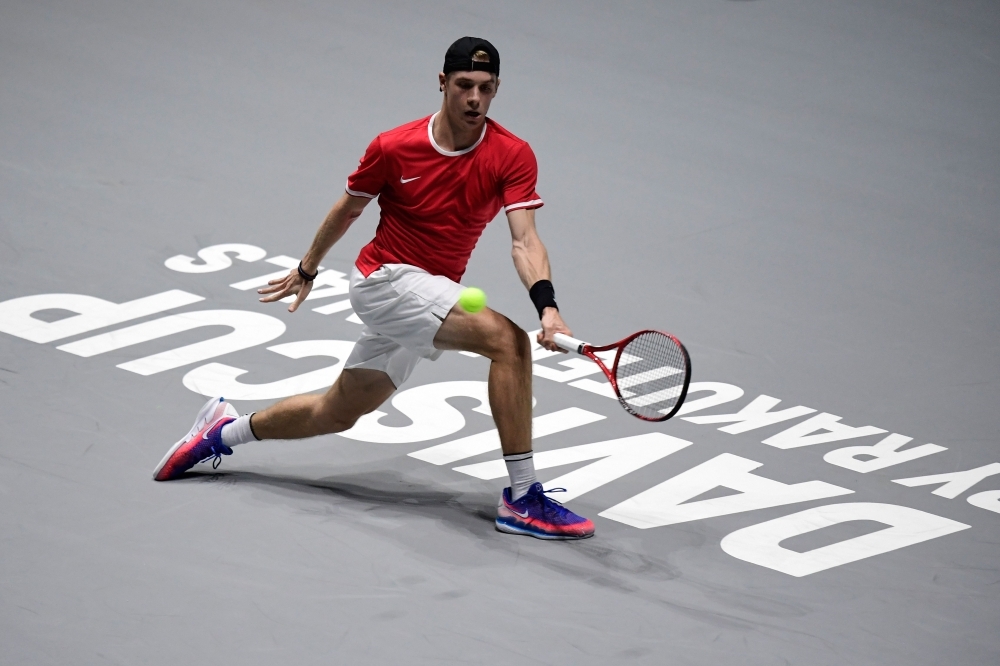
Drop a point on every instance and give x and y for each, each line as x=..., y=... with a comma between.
x=203, y=442
x=536, y=514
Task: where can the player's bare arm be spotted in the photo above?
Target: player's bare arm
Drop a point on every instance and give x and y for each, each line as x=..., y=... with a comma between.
x=340, y=218
x=531, y=260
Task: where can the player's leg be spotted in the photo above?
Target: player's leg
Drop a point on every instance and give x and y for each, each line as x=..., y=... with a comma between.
x=218, y=427
x=404, y=306
x=524, y=508
x=356, y=392
x=492, y=335
x=372, y=371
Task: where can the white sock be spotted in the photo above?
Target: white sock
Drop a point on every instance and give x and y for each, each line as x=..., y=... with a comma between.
x=238, y=432
x=521, y=467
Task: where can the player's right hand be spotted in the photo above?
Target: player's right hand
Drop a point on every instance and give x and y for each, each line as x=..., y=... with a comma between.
x=552, y=323
x=290, y=285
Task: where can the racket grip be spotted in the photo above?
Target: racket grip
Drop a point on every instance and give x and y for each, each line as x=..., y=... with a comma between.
x=570, y=344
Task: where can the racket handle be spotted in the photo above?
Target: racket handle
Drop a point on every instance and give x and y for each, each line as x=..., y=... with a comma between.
x=570, y=344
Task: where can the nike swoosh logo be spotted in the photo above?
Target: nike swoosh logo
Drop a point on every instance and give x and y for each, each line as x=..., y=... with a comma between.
x=517, y=513
x=407, y=180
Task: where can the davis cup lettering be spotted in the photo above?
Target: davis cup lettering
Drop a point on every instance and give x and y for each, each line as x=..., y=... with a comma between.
x=260, y=281
x=615, y=458
x=215, y=379
x=215, y=258
x=601, y=388
x=989, y=500
x=335, y=281
x=578, y=368
x=432, y=417
x=953, y=483
x=879, y=456
x=760, y=544
x=91, y=313
x=328, y=283
x=755, y=415
x=721, y=394
x=427, y=408
x=249, y=330
x=668, y=503
x=810, y=432
x=648, y=376
x=484, y=442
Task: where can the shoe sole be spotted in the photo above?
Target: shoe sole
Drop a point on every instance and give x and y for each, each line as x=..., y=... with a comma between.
x=199, y=423
x=510, y=529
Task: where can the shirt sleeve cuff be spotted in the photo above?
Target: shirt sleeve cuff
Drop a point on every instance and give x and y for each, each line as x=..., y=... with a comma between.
x=534, y=203
x=355, y=193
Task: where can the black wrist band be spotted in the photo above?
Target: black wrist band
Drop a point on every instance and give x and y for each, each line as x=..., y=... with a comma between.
x=543, y=295
x=306, y=276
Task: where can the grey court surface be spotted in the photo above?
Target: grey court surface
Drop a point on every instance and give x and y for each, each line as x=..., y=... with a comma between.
x=804, y=192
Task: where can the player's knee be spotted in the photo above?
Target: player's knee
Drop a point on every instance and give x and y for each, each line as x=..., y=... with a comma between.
x=330, y=424
x=329, y=421
x=522, y=344
x=515, y=342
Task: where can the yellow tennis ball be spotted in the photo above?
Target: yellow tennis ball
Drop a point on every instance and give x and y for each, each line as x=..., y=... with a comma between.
x=472, y=299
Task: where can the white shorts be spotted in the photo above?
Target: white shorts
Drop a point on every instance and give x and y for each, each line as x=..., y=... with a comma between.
x=402, y=308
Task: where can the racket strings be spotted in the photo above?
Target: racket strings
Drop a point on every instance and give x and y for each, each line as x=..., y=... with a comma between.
x=651, y=375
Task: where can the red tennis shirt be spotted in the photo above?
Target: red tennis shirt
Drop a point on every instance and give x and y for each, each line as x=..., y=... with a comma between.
x=435, y=203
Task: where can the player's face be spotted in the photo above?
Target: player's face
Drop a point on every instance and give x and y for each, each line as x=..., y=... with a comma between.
x=467, y=96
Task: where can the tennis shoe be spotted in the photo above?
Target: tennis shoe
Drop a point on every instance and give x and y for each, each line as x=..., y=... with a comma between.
x=538, y=515
x=203, y=442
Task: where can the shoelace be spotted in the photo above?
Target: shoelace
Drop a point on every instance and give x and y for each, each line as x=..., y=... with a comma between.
x=554, y=490
x=554, y=504
x=215, y=457
x=216, y=454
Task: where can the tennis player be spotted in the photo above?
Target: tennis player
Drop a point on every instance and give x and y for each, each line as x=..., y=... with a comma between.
x=439, y=181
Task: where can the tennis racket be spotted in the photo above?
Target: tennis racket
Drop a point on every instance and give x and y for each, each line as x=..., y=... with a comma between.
x=650, y=373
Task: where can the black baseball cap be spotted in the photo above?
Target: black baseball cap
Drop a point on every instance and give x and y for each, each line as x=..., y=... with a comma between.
x=458, y=58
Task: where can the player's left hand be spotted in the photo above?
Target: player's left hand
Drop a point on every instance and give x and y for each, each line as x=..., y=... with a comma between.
x=291, y=284
x=552, y=323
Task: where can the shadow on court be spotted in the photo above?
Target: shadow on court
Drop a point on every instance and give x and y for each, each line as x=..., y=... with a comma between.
x=396, y=506
x=386, y=496
x=390, y=501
